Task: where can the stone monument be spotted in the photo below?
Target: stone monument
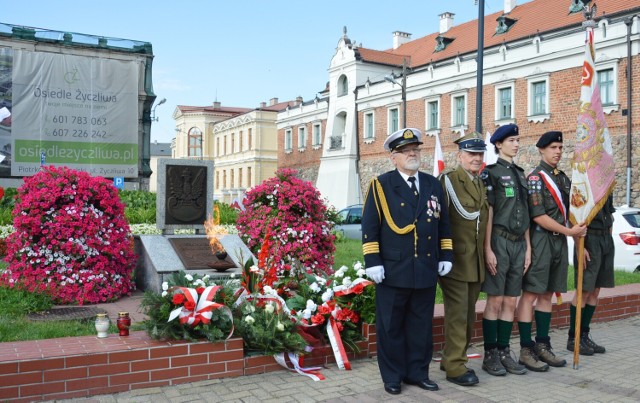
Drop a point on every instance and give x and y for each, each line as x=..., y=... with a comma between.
x=185, y=201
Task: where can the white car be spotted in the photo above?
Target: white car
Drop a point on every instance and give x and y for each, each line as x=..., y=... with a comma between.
x=626, y=239
x=350, y=224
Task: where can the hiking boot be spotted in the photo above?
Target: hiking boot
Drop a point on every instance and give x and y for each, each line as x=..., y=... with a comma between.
x=585, y=349
x=586, y=339
x=492, y=364
x=529, y=359
x=509, y=363
x=544, y=353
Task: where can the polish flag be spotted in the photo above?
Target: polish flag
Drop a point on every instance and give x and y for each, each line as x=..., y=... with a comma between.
x=438, y=159
x=490, y=156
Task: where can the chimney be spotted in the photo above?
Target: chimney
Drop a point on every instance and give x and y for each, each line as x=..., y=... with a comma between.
x=216, y=104
x=400, y=38
x=298, y=100
x=509, y=5
x=446, y=22
x=273, y=101
x=263, y=104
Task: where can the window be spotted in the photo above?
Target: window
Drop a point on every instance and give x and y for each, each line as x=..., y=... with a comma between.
x=239, y=177
x=240, y=136
x=248, y=177
x=343, y=86
x=393, y=120
x=217, y=146
x=607, y=86
x=458, y=110
x=317, y=135
x=368, y=126
x=232, y=182
x=224, y=179
x=302, y=137
x=607, y=73
x=504, y=103
x=233, y=143
x=539, y=98
x=217, y=179
x=433, y=115
x=538, y=102
x=195, y=142
x=249, y=139
x=224, y=145
x=287, y=139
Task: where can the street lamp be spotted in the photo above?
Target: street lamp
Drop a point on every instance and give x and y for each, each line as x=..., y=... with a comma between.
x=154, y=118
x=392, y=79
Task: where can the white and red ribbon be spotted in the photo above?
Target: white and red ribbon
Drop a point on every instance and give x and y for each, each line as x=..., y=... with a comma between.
x=311, y=372
x=204, y=306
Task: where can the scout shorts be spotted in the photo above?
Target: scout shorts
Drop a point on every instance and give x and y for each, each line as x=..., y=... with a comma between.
x=599, y=271
x=549, y=263
x=510, y=257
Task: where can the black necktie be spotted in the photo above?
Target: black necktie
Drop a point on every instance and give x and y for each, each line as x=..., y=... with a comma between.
x=412, y=179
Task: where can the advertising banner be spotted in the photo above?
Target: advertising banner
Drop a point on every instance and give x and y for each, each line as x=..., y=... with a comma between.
x=76, y=111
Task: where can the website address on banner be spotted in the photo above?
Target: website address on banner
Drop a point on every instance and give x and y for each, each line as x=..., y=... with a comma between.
x=66, y=152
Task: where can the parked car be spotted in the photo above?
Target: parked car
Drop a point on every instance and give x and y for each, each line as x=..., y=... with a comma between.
x=350, y=222
x=626, y=239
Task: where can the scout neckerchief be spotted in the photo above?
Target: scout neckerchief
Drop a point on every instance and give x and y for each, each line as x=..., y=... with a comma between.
x=555, y=192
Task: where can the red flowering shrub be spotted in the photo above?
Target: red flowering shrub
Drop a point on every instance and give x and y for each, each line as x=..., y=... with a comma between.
x=71, y=239
x=292, y=211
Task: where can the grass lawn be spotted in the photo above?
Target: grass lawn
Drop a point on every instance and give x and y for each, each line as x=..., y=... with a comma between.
x=14, y=305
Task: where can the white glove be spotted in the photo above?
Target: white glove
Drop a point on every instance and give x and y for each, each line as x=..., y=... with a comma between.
x=375, y=273
x=444, y=268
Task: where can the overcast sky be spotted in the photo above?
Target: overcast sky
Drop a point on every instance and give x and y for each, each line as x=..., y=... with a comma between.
x=241, y=52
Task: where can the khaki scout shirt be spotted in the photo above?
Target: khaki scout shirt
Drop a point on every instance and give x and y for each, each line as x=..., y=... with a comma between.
x=541, y=200
x=507, y=194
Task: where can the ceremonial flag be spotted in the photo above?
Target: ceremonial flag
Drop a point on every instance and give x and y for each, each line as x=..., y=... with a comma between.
x=593, y=176
x=438, y=159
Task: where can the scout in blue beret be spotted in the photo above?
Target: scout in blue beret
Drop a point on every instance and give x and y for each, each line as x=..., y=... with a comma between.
x=502, y=133
x=402, y=137
x=548, y=138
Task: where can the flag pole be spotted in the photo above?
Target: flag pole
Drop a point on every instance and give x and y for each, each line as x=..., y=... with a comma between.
x=589, y=25
x=578, y=281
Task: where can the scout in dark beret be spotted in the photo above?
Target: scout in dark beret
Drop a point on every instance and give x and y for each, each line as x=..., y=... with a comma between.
x=548, y=138
x=402, y=137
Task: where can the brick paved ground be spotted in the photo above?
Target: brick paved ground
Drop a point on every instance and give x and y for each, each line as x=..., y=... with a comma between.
x=609, y=377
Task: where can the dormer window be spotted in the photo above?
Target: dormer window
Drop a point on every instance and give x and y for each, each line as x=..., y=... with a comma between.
x=577, y=6
x=504, y=24
x=442, y=42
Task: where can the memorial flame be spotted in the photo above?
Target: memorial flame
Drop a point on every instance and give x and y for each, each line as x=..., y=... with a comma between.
x=213, y=229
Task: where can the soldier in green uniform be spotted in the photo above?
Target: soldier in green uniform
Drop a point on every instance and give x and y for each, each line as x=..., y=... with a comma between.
x=507, y=250
x=598, y=273
x=466, y=202
x=548, y=206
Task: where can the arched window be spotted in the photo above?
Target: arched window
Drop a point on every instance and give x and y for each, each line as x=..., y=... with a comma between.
x=195, y=142
x=343, y=86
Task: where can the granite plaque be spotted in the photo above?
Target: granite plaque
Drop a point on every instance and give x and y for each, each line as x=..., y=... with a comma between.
x=186, y=195
x=196, y=254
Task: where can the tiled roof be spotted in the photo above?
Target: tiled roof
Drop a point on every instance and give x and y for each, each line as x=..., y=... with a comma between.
x=160, y=149
x=212, y=109
x=534, y=17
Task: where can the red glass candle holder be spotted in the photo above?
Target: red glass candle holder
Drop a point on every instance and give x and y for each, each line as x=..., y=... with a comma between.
x=123, y=322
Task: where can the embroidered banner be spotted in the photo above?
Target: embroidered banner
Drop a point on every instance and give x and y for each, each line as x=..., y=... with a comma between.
x=593, y=175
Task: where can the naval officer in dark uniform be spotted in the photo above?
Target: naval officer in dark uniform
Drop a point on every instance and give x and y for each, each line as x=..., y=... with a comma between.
x=406, y=242
x=468, y=208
